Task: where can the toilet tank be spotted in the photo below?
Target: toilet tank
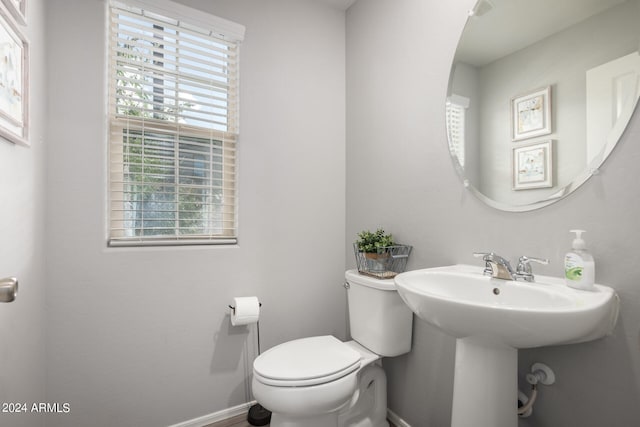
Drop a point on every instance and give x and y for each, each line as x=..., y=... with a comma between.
x=378, y=318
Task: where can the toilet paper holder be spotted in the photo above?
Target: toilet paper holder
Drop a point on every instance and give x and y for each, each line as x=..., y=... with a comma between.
x=257, y=415
x=234, y=309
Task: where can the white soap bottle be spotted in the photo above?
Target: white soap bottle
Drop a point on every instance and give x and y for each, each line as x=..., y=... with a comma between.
x=579, y=268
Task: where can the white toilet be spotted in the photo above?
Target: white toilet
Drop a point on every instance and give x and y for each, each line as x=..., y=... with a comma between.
x=324, y=382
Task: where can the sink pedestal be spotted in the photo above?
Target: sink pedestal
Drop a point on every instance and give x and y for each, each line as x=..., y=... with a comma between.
x=485, y=387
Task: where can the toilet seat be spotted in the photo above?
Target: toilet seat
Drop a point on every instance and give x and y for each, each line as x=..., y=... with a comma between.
x=306, y=362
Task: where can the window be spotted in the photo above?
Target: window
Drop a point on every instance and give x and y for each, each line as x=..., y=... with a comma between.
x=456, y=107
x=173, y=118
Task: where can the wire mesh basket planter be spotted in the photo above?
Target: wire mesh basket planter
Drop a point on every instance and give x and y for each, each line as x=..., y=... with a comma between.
x=386, y=263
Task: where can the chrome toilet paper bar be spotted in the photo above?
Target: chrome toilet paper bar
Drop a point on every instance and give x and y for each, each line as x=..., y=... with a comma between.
x=234, y=309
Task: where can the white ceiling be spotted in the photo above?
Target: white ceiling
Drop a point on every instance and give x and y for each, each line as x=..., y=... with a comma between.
x=513, y=24
x=340, y=4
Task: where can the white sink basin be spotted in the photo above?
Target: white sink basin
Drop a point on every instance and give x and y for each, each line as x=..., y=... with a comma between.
x=463, y=302
x=491, y=319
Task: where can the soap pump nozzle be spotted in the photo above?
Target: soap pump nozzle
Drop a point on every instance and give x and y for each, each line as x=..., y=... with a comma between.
x=578, y=242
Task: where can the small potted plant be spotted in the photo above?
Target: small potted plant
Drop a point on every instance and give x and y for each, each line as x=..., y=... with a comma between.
x=374, y=245
x=378, y=255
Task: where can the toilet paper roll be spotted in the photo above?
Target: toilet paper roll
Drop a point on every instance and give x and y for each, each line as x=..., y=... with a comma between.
x=247, y=311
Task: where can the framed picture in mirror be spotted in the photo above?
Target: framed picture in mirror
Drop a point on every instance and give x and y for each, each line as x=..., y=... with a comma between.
x=533, y=166
x=531, y=114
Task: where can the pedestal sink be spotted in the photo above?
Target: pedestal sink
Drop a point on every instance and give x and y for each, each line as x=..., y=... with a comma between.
x=492, y=319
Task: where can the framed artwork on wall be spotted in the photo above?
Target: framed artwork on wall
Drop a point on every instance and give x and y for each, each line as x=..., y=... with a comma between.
x=14, y=81
x=18, y=9
x=533, y=166
x=531, y=114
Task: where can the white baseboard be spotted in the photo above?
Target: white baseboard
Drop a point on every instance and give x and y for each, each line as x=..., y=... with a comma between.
x=241, y=409
x=395, y=419
x=217, y=416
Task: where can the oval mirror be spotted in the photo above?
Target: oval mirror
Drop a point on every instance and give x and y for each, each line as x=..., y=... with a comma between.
x=539, y=94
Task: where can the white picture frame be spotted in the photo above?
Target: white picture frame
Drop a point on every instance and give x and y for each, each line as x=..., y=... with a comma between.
x=531, y=114
x=17, y=9
x=533, y=166
x=14, y=81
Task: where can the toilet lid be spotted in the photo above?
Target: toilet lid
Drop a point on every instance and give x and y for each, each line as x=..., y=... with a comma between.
x=306, y=361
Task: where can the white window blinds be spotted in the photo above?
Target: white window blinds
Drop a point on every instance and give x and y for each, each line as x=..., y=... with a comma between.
x=456, y=106
x=173, y=116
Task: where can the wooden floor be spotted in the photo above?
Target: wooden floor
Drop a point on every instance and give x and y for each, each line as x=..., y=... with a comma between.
x=241, y=421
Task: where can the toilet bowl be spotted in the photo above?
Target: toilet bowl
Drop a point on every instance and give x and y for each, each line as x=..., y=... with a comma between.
x=324, y=382
x=320, y=381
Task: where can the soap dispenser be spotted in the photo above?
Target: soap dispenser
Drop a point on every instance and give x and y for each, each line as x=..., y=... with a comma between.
x=579, y=267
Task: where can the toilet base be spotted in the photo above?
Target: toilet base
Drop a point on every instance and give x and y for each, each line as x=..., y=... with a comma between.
x=368, y=407
x=324, y=420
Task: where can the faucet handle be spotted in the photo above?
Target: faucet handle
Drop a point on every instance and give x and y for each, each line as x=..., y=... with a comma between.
x=523, y=269
x=525, y=260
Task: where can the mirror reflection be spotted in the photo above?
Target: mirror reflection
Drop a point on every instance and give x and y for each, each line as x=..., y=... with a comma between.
x=540, y=92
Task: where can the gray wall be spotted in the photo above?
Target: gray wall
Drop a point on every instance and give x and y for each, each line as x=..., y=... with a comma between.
x=22, y=219
x=399, y=176
x=141, y=337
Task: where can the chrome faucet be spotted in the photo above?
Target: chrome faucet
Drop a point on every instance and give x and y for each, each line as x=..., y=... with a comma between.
x=500, y=268
x=496, y=266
